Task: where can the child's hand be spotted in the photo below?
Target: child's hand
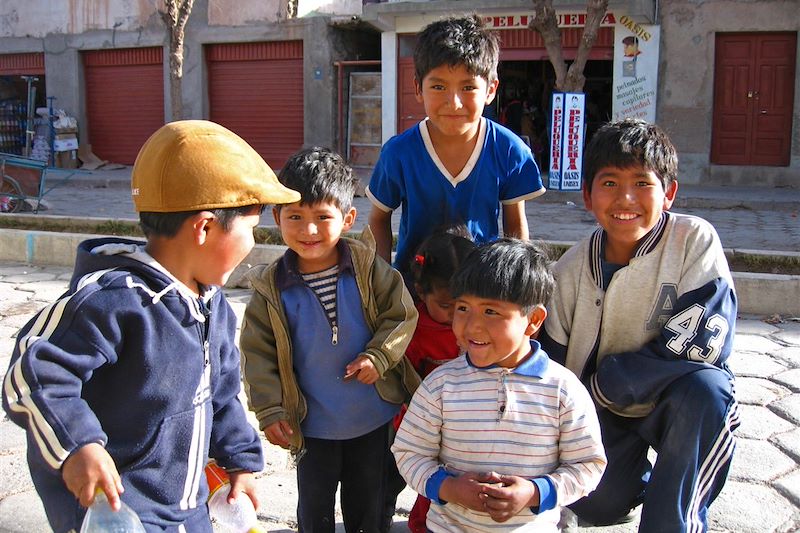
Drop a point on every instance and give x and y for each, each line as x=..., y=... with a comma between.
x=465, y=490
x=278, y=433
x=507, y=498
x=89, y=468
x=362, y=369
x=243, y=483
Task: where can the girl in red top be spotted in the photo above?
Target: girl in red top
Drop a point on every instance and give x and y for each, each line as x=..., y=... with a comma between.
x=434, y=343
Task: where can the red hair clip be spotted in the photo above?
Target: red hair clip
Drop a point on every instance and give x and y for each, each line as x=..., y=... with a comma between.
x=419, y=259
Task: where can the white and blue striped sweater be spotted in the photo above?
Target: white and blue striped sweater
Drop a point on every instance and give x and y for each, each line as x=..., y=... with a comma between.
x=533, y=421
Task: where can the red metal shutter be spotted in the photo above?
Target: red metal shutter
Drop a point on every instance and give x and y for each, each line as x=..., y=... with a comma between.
x=31, y=64
x=256, y=90
x=124, y=100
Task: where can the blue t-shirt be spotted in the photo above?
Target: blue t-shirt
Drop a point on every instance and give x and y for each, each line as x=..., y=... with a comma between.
x=410, y=174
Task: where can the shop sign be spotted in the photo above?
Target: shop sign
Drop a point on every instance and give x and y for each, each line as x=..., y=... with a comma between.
x=636, y=49
x=565, y=20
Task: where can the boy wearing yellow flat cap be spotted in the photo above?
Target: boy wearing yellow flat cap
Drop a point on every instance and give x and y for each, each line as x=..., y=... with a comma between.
x=128, y=383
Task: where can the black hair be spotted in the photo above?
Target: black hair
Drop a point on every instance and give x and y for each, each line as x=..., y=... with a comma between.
x=439, y=256
x=628, y=143
x=168, y=224
x=320, y=175
x=511, y=270
x=457, y=41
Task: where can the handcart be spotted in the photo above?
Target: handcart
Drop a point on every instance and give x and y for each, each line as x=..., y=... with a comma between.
x=25, y=178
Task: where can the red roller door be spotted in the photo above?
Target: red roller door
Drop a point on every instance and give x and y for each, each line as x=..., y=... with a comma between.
x=28, y=64
x=124, y=100
x=256, y=90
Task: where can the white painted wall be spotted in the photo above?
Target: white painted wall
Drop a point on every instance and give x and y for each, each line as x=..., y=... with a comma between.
x=38, y=18
x=336, y=7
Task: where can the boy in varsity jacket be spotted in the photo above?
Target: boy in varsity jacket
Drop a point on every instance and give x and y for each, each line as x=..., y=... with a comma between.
x=644, y=313
x=129, y=381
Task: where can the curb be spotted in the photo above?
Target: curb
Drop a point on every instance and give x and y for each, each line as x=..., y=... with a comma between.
x=758, y=293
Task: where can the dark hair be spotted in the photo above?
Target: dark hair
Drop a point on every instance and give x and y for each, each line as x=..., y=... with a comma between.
x=511, y=270
x=168, y=224
x=628, y=143
x=439, y=256
x=320, y=175
x=457, y=41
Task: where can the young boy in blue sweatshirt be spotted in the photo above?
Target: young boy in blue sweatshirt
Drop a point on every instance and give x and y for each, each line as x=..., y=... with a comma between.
x=323, y=343
x=644, y=313
x=454, y=167
x=128, y=383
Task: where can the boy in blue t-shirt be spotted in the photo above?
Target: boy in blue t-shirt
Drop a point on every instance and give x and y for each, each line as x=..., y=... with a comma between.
x=323, y=343
x=454, y=166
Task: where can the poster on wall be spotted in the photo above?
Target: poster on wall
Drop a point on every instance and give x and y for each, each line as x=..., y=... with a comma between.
x=568, y=117
x=635, y=70
x=556, y=141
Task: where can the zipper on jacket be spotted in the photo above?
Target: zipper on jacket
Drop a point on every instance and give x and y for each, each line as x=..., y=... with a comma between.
x=204, y=329
x=335, y=333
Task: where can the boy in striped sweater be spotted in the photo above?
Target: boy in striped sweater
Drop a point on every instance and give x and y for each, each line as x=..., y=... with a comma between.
x=501, y=434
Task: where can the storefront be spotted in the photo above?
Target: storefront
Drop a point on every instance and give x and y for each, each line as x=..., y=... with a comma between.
x=22, y=80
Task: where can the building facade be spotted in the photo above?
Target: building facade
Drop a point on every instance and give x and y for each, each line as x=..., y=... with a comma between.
x=720, y=75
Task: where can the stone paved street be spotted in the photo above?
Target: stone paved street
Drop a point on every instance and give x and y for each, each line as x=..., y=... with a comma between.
x=761, y=496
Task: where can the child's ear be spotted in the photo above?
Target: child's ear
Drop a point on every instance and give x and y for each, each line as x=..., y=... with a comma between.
x=536, y=319
x=199, y=224
x=669, y=195
x=587, y=197
x=276, y=214
x=491, y=91
x=349, y=219
x=418, y=90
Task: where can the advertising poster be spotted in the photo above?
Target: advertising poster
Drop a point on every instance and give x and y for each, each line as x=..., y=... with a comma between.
x=567, y=119
x=635, y=70
x=556, y=140
x=572, y=152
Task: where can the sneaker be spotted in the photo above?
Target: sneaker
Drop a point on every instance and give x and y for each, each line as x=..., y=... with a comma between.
x=632, y=515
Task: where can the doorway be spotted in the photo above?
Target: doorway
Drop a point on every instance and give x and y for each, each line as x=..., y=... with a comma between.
x=525, y=91
x=753, y=98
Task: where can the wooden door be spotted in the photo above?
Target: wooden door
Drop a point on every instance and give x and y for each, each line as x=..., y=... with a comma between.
x=753, y=98
x=409, y=111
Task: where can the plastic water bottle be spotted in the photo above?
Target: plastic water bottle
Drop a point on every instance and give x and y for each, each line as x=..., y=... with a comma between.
x=239, y=516
x=101, y=518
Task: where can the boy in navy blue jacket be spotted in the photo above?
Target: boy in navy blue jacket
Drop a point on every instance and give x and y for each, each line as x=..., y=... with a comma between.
x=129, y=381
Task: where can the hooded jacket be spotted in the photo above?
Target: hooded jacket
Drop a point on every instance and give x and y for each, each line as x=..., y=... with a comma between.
x=270, y=382
x=130, y=359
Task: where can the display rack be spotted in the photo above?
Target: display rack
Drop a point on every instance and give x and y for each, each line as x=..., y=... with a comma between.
x=12, y=126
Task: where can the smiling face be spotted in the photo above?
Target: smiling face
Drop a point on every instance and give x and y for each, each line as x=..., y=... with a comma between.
x=454, y=100
x=627, y=203
x=494, y=332
x=313, y=232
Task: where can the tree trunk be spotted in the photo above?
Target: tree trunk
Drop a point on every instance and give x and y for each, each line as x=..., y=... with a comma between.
x=545, y=22
x=175, y=15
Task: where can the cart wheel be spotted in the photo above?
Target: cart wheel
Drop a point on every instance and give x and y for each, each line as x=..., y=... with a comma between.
x=10, y=196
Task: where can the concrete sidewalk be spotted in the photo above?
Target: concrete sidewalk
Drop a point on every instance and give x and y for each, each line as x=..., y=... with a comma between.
x=762, y=494
x=750, y=220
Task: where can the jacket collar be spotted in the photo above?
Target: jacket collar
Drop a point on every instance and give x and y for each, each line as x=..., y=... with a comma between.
x=535, y=365
x=647, y=244
x=288, y=273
